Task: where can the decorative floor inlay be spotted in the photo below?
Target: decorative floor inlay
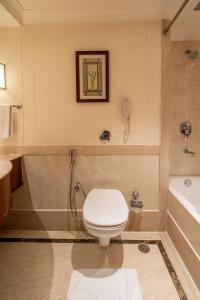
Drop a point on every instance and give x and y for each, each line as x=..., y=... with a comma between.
x=159, y=244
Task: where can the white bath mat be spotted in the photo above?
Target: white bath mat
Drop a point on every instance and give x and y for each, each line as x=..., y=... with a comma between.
x=104, y=284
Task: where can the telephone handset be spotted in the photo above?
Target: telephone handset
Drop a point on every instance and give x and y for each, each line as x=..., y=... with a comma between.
x=126, y=116
x=126, y=108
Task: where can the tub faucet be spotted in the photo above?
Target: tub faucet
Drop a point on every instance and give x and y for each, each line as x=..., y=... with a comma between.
x=187, y=151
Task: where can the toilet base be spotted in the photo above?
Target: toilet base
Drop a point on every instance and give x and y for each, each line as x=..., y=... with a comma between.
x=104, y=241
x=104, y=234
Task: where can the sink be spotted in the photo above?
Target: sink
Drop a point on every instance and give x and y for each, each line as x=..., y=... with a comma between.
x=5, y=168
x=5, y=194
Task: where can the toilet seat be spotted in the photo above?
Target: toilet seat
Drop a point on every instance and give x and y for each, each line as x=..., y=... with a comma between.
x=94, y=226
x=105, y=208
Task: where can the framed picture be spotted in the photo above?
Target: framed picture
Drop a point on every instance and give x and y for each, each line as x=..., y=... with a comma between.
x=92, y=76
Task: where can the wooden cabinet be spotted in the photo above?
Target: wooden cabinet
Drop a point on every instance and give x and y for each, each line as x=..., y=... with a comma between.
x=16, y=174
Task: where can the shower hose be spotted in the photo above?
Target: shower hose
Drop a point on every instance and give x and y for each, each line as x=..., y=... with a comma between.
x=73, y=190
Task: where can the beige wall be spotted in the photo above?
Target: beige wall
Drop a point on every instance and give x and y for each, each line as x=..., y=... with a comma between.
x=51, y=114
x=47, y=179
x=183, y=90
x=183, y=94
x=10, y=55
x=43, y=201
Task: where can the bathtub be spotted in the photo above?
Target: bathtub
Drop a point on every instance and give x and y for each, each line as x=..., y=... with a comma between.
x=186, y=189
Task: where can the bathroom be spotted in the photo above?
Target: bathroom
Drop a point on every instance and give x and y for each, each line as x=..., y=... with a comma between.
x=129, y=148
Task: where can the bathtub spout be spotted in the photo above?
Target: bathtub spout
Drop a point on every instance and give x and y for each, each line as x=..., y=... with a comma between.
x=187, y=151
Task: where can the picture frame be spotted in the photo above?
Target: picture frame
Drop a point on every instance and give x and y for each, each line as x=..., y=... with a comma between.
x=92, y=76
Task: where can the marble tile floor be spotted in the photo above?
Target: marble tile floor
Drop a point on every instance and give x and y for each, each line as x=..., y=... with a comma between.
x=41, y=271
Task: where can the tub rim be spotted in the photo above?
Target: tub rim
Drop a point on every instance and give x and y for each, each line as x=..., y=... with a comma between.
x=183, y=199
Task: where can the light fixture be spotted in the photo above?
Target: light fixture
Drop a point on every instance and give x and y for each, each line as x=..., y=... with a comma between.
x=2, y=76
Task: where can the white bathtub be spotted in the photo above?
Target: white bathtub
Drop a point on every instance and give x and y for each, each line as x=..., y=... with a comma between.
x=188, y=196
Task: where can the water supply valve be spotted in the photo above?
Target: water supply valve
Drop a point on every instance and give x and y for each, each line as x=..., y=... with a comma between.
x=135, y=203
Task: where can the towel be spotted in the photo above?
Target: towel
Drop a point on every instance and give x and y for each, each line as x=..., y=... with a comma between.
x=5, y=120
x=104, y=284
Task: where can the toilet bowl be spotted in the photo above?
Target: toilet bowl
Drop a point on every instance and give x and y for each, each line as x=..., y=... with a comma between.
x=105, y=214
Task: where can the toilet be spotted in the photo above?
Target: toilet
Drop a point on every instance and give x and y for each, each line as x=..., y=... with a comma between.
x=105, y=214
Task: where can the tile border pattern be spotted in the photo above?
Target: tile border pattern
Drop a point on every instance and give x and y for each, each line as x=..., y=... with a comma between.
x=161, y=248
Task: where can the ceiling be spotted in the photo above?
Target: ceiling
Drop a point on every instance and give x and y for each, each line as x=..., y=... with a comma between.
x=58, y=11
x=43, y=11
x=6, y=19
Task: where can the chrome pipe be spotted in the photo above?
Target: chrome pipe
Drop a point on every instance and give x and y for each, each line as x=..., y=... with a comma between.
x=165, y=31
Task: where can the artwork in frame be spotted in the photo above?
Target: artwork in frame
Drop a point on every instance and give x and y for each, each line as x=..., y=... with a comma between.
x=92, y=76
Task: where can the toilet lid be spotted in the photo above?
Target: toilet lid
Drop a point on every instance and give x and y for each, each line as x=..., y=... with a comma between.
x=105, y=207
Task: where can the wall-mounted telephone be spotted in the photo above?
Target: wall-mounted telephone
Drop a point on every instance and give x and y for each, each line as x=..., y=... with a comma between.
x=126, y=113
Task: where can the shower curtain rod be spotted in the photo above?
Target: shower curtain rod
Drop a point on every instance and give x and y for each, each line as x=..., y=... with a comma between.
x=165, y=31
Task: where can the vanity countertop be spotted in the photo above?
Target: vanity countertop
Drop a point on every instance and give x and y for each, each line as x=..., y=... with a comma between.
x=9, y=157
x=5, y=168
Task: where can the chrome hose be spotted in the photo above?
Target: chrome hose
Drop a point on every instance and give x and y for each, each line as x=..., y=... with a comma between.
x=76, y=188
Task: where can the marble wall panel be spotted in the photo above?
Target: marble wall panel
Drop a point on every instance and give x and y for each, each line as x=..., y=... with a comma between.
x=46, y=179
x=183, y=96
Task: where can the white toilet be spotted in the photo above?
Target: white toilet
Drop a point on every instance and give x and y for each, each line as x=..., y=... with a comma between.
x=105, y=214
